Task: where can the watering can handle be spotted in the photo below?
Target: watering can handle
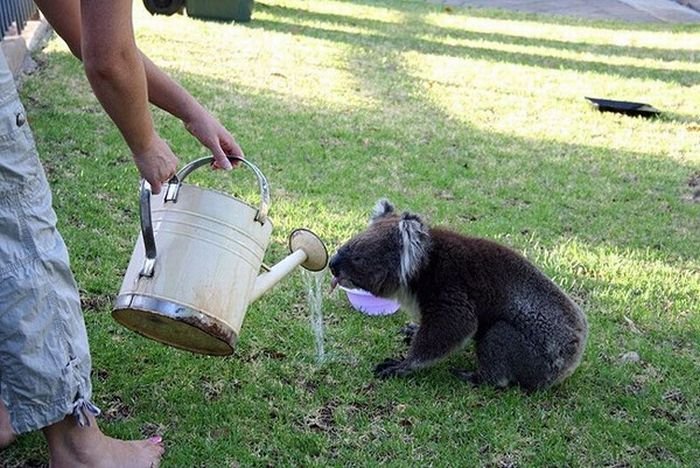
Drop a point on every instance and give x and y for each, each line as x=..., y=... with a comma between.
x=174, y=183
x=149, y=240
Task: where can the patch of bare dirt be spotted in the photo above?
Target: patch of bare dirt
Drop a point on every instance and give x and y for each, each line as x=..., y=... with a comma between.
x=95, y=302
x=322, y=419
x=694, y=186
x=116, y=410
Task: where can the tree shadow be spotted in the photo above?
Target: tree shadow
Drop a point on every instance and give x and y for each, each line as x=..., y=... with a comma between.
x=511, y=15
x=476, y=180
x=481, y=180
x=417, y=21
x=399, y=38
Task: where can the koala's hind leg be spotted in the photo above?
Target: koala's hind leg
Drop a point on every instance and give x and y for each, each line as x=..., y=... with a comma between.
x=435, y=338
x=506, y=357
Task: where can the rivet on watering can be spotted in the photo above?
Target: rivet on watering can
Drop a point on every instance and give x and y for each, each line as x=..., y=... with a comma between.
x=20, y=119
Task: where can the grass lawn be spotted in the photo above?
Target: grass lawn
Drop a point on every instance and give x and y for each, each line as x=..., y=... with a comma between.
x=474, y=119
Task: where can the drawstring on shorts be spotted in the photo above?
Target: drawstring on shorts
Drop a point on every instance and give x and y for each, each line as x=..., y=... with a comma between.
x=81, y=409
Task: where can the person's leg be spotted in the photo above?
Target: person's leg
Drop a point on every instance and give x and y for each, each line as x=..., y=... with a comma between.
x=75, y=446
x=45, y=359
x=45, y=370
x=7, y=435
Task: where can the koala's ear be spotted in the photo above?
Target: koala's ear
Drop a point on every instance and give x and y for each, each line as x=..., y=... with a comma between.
x=415, y=239
x=380, y=210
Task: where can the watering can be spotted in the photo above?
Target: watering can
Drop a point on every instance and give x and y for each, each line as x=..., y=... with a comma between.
x=196, y=266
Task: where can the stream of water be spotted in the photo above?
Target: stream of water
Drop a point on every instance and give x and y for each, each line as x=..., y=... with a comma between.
x=314, y=297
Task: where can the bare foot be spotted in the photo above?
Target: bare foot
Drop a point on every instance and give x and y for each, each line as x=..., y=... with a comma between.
x=73, y=446
x=7, y=436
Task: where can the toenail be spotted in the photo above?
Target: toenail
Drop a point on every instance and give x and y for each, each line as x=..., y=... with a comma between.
x=155, y=440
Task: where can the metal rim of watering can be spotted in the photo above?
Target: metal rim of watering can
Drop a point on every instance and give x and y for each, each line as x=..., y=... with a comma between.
x=318, y=259
x=129, y=307
x=171, y=194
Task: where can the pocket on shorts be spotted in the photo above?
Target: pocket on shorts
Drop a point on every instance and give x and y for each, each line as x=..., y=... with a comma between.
x=19, y=163
x=27, y=232
x=27, y=219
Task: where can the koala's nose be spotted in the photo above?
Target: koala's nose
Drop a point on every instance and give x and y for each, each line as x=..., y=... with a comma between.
x=334, y=264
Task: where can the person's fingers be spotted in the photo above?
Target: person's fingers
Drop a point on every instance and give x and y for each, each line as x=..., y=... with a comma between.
x=220, y=159
x=237, y=151
x=228, y=143
x=155, y=186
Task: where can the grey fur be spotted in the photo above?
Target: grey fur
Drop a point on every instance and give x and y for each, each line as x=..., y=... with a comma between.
x=527, y=330
x=382, y=208
x=415, y=240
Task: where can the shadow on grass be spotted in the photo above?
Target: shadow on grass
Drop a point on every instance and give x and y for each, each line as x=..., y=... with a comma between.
x=603, y=197
x=416, y=20
x=392, y=36
x=521, y=16
x=682, y=77
x=488, y=183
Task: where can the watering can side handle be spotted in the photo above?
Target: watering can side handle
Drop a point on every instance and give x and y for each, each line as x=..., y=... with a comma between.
x=264, y=206
x=149, y=241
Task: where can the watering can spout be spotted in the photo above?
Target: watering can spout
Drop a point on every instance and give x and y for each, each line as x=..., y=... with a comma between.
x=307, y=250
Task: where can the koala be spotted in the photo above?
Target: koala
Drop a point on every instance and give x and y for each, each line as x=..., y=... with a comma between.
x=527, y=331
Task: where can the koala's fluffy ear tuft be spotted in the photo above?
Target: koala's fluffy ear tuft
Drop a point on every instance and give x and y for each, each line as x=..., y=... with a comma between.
x=381, y=209
x=415, y=239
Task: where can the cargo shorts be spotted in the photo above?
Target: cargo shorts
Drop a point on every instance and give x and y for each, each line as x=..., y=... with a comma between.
x=44, y=354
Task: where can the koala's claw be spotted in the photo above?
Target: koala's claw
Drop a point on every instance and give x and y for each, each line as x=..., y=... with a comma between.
x=467, y=376
x=389, y=368
x=409, y=331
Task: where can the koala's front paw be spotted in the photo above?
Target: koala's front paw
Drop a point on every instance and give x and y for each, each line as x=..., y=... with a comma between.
x=409, y=331
x=391, y=368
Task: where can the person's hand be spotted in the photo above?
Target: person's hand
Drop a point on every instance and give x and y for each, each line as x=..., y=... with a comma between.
x=157, y=163
x=209, y=131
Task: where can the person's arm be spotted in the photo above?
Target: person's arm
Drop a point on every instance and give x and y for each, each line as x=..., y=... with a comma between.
x=65, y=17
x=115, y=69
